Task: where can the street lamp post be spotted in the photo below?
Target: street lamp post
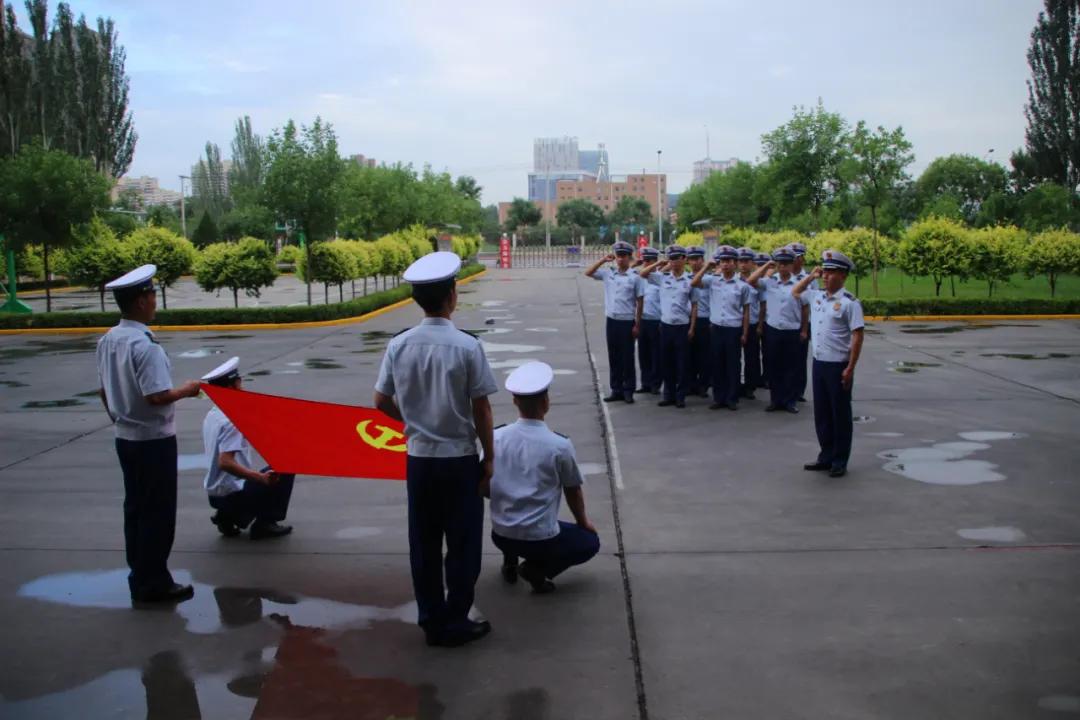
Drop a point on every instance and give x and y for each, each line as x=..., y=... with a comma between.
x=659, y=206
x=183, y=211
x=547, y=206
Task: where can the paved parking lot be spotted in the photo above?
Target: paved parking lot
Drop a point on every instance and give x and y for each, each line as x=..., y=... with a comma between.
x=939, y=579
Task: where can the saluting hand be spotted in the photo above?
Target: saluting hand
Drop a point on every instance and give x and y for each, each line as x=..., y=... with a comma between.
x=610, y=257
x=818, y=272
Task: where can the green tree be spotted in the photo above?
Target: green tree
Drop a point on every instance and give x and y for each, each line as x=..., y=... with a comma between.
x=209, y=183
x=303, y=180
x=806, y=158
x=467, y=187
x=248, y=220
x=206, y=232
x=332, y=263
x=1052, y=253
x=248, y=165
x=14, y=82
x=522, y=213
x=995, y=254
x=579, y=214
x=395, y=256
x=935, y=247
x=246, y=265
x=122, y=223
x=96, y=258
x=965, y=180
x=1047, y=205
x=862, y=245
x=43, y=195
x=1053, y=107
x=164, y=216
x=173, y=254
x=630, y=211
x=879, y=160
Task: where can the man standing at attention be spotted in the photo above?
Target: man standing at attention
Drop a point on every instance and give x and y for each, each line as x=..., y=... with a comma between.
x=623, y=294
x=138, y=393
x=838, y=338
x=436, y=380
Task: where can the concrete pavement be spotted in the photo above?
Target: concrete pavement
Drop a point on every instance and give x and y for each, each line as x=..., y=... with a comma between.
x=938, y=579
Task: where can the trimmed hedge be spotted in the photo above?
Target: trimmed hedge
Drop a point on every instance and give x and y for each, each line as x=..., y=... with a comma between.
x=224, y=316
x=969, y=306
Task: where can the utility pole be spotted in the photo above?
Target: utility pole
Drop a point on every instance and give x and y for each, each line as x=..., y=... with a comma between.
x=659, y=206
x=547, y=204
x=183, y=211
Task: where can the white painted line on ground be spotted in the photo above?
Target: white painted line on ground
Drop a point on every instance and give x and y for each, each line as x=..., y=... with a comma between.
x=609, y=430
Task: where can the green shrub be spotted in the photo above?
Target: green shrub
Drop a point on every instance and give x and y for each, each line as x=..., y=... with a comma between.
x=224, y=316
x=289, y=255
x=97, y=258
x=173, y=254
x=246, y=265
x=968, y=306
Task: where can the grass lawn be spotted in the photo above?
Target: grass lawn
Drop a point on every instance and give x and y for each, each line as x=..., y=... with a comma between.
x=892, y=284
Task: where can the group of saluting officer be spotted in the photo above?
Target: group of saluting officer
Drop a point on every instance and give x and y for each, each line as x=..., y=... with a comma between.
x=741, y=321
x=436, y=380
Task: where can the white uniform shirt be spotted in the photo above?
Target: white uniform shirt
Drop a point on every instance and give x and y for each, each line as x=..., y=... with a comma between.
x=674, y=296
x=532, y=466
x=131, y=365
x=220, y=435
x=783, y=311
x=621, y=291
x=701, y=296
x=729, y=297
x=757, y=296
x=650, y=309
x=434, y=371
x=834, y=318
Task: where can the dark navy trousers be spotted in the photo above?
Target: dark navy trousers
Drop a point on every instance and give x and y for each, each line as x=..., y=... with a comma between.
x=726, y=346
x=800, y=381
x=832, y=413
x=648, y=345
x=751, y=353
x=255, y=501
x=765, y=371
x=444, y=503
x=573, y=545
x=674, y=358
x=149, y=468
x=620, y=353
x=784, y=354
x=701, y=357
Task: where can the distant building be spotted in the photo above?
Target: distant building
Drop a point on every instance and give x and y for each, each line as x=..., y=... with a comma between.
x=705, y=168
x=558, y=159
x=147, y=191
x=363, y=161
x=607, y=193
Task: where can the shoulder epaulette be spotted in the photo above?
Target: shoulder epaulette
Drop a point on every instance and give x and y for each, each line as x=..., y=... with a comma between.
x=848, y=295
x=472, y=335
x=402, y=330
x=499, y=426
x=559, y=434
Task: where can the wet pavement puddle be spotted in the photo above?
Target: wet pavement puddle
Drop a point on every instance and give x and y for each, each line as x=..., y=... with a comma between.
x=884, y=434
x=322, y=364
x=213, y=610
x=43, y=404
x=542, y=330
x=17, y=384
x=1002, y=534
x=1028, y=356
x=947, y=463
x=909, y=366
x=863, y=419
x=490, y=347
x=192, y=461
x=920, y=329
x=202, y=352
x=302, y=676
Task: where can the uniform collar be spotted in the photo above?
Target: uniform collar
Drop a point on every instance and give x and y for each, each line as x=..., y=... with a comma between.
x=136, y=325
x=789, y=281
x=837, y=294
x=437, y=321
x=525, y=422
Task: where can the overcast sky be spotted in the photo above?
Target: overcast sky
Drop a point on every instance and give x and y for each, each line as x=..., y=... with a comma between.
x=466, y=86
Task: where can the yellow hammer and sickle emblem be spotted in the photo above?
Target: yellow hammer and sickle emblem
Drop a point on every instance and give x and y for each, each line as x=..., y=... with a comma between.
x=383, y=441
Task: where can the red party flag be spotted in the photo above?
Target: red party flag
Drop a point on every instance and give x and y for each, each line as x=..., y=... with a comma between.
x=304, y=437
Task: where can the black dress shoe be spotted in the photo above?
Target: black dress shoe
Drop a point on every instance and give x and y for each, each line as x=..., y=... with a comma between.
x=748, y=394
x=225, y=526
x=802, y=399
x=817, y=466
x=771, y=408
x=262, y=531
x=462, y=635
x=628, y=399
x=665, y=403
x=680, y=404
x=732, y=406
x=716, y=406
x=837, y=471
x=509, y=569
x=174, y=594
x=612, y=398
x=540, y=584
x=792, y=409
